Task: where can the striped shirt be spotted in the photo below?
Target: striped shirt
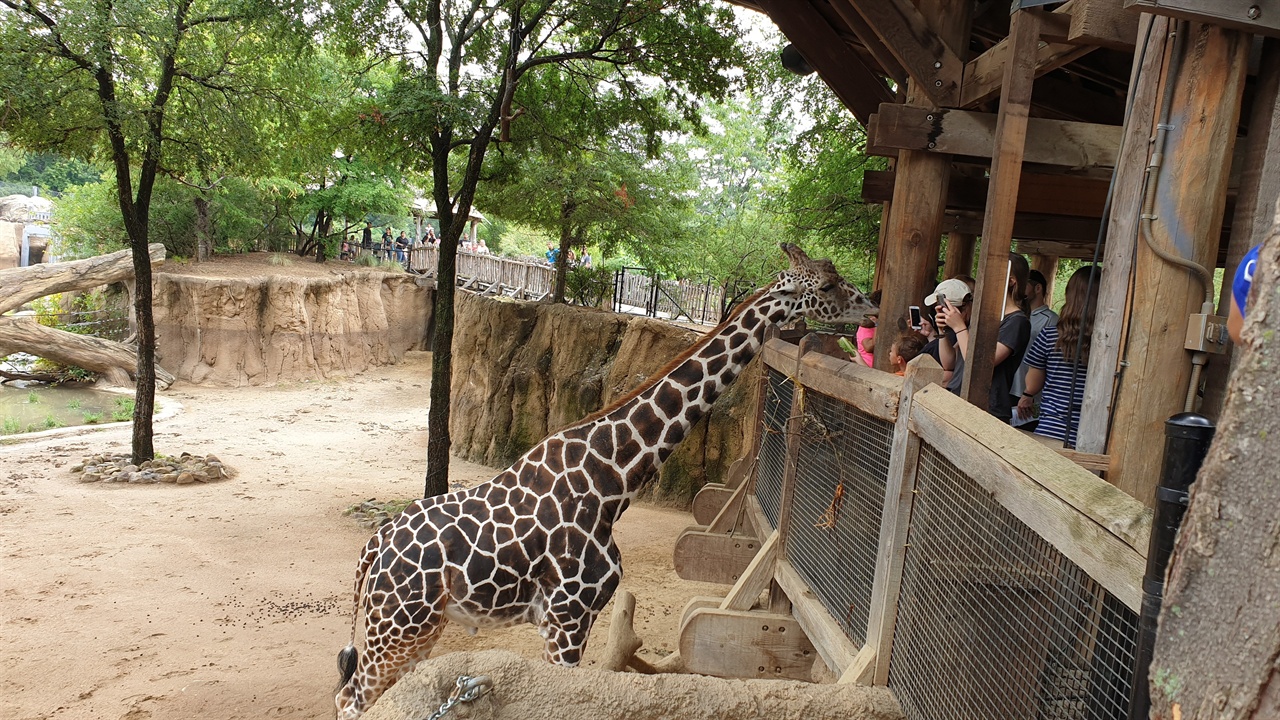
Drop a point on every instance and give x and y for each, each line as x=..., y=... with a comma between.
x=1057, y=396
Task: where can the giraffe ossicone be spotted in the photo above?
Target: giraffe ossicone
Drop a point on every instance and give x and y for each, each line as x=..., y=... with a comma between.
x=535, y=544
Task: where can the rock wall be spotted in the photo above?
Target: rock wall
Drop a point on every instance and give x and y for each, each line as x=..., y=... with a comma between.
x=523, y=370
x=255, y=331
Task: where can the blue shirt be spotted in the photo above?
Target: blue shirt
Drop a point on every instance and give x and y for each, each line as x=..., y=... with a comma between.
x=1244, y=279
x=1058, y=398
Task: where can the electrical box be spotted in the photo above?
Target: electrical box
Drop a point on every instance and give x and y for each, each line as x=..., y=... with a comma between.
x=1207, y=333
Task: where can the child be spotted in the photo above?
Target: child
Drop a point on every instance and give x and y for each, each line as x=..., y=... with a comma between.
x=908, y=345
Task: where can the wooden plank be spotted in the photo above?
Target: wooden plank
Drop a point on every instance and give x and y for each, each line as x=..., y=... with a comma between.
x=1038, y=193
x=709, y=501
x=863, y=669
x=780, y=355
x=857, y=86
x=697, y=602
x=739, y=644
x=1190, y=200
x=933, y=66
x=730, y=517
x=984, y=75
x=1103, y=22
x=755, y=579
x=713, y=557
x=1002, y=204
x=1260, y=17
x=895, y=519
x=1255, y=206
x=971, y=133
x=1093, y=526
x=790, y=464
x=835, y=648
x=1072, y=237
x=871, y=391
x=1088, y=461
x=888, y=63
x=1122, y=228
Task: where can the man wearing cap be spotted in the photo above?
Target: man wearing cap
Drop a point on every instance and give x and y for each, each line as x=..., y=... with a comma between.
x=951, y=296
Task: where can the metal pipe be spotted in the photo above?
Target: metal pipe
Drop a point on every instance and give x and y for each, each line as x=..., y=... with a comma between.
x=1187, y=438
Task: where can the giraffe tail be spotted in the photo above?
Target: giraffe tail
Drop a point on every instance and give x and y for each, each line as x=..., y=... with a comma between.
x=348, y=656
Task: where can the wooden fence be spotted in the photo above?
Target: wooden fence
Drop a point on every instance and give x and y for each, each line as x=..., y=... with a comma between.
x=490, y=274
x=902, y=537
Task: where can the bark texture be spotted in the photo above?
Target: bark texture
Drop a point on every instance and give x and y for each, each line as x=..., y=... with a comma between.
x=1219, y=638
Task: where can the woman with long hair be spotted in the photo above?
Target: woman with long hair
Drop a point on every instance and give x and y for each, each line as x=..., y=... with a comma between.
x=1058, y=361
x=1011, y=342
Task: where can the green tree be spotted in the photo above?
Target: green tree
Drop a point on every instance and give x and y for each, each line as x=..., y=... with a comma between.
x=459, y=67
x=130, y=80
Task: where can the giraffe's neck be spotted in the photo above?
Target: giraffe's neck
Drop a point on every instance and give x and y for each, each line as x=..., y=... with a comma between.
x=660, y=416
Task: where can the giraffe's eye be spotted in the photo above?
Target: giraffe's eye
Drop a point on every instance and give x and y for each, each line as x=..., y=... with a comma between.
x=827, y=288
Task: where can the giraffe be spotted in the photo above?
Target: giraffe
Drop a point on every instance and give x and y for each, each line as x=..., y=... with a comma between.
x=535, y=544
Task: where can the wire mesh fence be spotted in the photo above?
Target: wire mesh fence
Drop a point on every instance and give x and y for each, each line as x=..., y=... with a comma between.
x=773, y=444
x=994, y=622
x=841, y=472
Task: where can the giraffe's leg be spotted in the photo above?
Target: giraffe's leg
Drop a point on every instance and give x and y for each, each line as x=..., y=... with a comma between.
x=398, y=634
x=573, y=607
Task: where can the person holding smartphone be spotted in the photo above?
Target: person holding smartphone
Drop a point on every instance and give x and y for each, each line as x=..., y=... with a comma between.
x=953, y=313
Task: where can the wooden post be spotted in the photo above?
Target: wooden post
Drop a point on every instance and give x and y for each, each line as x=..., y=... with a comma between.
x=877, y=278
x=906, y=265
x=1189, y=201
x=1048, y=266
x=1122, y=229
x=959, y=255
x=894, y=520
x=1255, y=205
x=1002, y=202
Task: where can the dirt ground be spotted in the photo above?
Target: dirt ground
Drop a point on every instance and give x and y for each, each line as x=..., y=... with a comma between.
x=231, y=600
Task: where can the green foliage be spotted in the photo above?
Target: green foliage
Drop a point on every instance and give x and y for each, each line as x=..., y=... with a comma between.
x=73, y=404
x=589, y=286
x=51, y=422
x=33, y=398
x=123, y=411
x=10, y=426
x=91, y=418
x=52, y=173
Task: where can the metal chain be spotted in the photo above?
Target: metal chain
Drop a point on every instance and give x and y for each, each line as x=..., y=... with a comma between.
x=467, y=689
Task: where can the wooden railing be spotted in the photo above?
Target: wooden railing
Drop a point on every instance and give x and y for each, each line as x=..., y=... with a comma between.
x=490, y=274
x=917, y=542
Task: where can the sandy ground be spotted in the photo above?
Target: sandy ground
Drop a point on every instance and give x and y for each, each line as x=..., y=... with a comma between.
x=231, y=600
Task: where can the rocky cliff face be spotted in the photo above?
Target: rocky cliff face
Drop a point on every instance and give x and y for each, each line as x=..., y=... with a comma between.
x=524, y=370
x=262, y=330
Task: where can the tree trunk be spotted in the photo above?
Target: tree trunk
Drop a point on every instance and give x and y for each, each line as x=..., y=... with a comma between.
x=144, y=402
x=20, y=285
x=1218, y=643
x=566, y=243
x=24, y=334
x=204, y=230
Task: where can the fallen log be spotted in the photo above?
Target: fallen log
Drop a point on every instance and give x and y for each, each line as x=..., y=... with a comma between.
x=19, y=286
x=533, y=690
x=107, y=357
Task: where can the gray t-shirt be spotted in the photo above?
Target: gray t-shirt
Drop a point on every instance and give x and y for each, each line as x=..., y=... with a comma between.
x=1041, y=318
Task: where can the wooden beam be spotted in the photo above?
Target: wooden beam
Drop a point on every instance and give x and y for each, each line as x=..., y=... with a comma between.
x=755, y=579
x=709, y=501
x=871, y=391
x=914, y=228
x=905, y=32
x=857, y=86
x=895, y=519
x=1122, y=229
x=1260, y=17
x=1102, y=531
x=1002, y=204
x=1047, y=264
x=1062, y=195
x=1103, y=22
x=1189, y=203
x=835, y=648
x=973, y=134
x=1073, y=236
x=984, y=75
x=888, y=63
x=959, y=254
x=1255, y=205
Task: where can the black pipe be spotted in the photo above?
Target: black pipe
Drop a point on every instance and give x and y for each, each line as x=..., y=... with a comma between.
x=1187, y=438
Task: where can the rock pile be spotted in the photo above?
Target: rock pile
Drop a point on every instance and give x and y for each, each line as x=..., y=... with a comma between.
x=183, y=470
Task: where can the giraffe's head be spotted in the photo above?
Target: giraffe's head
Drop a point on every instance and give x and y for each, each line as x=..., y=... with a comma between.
x=817, y=291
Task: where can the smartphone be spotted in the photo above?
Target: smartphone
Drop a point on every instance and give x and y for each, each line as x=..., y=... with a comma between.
x=915, y=317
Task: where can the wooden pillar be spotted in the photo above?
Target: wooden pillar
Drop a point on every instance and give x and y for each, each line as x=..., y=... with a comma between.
x=1255, y=205
x=959, y=254
x=1122, y=231
x=1048, y=266
x=907, y=263
x=1189, y=202
x=1002, y=203
x=877, y=280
